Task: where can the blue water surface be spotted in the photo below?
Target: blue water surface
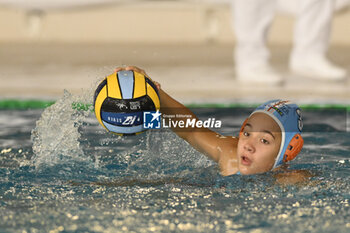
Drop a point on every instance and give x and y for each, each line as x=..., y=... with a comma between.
x=61, y=172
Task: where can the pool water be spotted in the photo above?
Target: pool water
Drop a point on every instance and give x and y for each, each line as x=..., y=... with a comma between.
x=61, y=172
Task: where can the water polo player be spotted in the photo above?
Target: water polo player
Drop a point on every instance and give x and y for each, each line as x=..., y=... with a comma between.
x=269, y=137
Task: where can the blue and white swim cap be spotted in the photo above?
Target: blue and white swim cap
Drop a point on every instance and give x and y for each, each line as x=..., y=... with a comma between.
x=288, y=117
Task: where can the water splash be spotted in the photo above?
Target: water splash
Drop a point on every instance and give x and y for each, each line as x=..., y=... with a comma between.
x=67, y=135
x=164, y=154
x=56, y=135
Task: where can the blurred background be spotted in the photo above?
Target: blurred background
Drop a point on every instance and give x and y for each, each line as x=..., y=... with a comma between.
x=47, y=46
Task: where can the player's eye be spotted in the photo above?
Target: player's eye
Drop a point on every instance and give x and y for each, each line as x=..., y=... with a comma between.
x=264, y=141
x=246, y=134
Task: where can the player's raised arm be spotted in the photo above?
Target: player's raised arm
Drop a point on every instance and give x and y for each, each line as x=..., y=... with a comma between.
x=202, y=139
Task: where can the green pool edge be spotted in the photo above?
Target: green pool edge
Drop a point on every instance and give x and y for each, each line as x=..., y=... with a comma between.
x=15, y=104
x=9, y=104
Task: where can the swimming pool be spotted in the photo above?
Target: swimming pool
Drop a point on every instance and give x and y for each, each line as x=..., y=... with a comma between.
x=61, y=172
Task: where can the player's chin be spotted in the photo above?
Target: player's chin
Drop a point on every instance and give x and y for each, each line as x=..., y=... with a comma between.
x=244, y=170
x=251, y=170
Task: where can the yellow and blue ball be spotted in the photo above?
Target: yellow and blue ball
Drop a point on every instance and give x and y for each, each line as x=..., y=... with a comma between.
x=120, y=100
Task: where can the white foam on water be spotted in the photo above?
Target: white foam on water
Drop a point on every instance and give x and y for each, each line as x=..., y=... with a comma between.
x=164, y=154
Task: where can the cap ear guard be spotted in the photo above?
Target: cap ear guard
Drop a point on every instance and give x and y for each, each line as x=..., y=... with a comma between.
x=294, y=147
x=243, y=125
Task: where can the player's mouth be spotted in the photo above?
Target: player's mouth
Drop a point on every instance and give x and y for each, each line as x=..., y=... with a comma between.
x=245, y=160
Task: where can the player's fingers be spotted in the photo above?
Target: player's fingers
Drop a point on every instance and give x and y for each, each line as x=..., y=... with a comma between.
x=157, y=84
x=137, y=69
x=134, y=68
x=118, y=69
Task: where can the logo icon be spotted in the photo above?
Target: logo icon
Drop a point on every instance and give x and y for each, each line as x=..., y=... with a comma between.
x=135, y=105
x=151, y=120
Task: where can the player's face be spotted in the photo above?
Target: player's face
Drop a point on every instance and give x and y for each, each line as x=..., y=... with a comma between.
x=258, y=144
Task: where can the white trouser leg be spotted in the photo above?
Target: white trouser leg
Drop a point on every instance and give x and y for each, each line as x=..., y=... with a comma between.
x=251, y=21
x=312, y=28
x=311, y=40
